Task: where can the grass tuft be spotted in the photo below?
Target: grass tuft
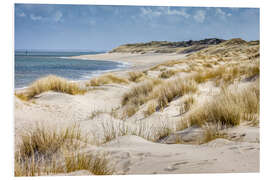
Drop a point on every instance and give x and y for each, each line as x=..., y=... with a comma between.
x=221, y=110
x=107, y=79
x=167, y=74
x=152, y=132
x=45, y=151
x=163, y=91
x=172, y=89
x=151, y=108
x=186, y=104
x=229, y=107
x=212, y=132
x=130, y=110
x=50, y=83
x=45, y=142
x=139, y=93
x=135, y=76
x=96, y=164
x=22, y=96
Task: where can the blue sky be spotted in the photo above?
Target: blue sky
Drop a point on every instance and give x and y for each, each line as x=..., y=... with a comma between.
x=98, y=28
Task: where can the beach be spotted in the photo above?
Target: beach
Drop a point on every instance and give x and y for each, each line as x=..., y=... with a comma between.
x=138, y=61
x=143, y=150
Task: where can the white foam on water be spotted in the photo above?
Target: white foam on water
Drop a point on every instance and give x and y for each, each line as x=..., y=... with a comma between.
x=123, y=64
x=64, y=57
x=21, y=88
x=96, y=73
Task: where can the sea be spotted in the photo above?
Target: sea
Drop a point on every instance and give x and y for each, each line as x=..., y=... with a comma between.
x=32, y=65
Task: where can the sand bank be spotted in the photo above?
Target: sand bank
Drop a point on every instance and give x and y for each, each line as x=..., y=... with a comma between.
x=137, y=61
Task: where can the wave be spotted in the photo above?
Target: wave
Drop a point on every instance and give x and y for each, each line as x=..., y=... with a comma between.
x=100, y=72
x=120, y=63
x=21, y=88
x=123, y=64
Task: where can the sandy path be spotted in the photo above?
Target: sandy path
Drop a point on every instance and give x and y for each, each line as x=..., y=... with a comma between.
x=134, y=155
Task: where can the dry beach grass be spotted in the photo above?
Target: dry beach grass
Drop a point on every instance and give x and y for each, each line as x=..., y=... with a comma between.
x=50, y=83
x=107, y=79
x=46, y=151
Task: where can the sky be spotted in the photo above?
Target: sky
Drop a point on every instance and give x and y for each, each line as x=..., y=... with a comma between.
x=102, y=28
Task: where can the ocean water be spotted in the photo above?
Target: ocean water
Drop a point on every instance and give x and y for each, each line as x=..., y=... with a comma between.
x=33, y=65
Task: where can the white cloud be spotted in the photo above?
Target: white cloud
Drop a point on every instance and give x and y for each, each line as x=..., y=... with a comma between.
x=35, y=18
x=181, y=12
x=149, y=12
x=199, y=16
x=222, y=14
x=57, y=17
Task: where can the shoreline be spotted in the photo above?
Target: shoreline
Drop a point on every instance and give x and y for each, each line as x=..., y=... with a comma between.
x=83, y=78
x=137, y=61
x=128, y=62
x=120, y=66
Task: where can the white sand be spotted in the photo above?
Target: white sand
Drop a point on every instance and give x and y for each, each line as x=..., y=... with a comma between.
x=138, y=61
x=138, y=156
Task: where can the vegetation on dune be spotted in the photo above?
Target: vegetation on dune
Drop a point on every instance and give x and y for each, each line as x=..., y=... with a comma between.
x=232, y=67
x=149, y=131
x=213, y=131
x=167, y=47
x=107, y=79
x=233, y=62
x=172, y=89
x=166, y=64
x=228, y=74
x=151, y=108
x=163, y=91
x=96, y=164
x=167, y=74
x=44, y=151
x=50, y=83
x=22, y=96
x=186, y=104
x=249, y=101
x=139, y=93
x=135, y=76
x=47, y=141
x=229, y=108
x=130, y=110
x=221, y=110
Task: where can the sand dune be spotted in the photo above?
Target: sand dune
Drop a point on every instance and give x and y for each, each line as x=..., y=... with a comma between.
x=179, y=147
x=135, y=155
